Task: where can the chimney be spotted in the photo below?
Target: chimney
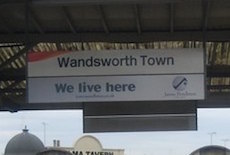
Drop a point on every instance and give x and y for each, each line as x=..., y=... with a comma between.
x=54, y=143
x=58, y=143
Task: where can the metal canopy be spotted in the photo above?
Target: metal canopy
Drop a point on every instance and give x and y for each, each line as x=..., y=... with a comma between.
x=114, y=20
x=50, y=25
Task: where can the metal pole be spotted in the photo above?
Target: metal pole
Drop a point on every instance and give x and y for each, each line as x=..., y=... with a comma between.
x=211, y=136
x=44, y=132
x=225, y=141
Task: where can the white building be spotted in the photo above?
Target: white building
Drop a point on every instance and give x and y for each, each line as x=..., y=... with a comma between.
x=89, y=145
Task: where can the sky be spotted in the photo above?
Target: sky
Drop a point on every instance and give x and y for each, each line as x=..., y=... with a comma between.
x=67, y=126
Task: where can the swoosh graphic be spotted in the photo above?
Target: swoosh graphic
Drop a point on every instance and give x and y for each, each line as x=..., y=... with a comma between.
x=184, y=79
x=38, y=56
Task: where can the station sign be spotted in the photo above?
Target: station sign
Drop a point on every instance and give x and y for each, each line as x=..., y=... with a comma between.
x=115, y=75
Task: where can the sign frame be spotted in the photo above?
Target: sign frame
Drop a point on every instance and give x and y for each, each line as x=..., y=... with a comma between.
x=175, y=83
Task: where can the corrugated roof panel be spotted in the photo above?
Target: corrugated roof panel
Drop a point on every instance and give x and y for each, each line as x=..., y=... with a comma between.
x=188, y=16
x=120, y=18
x=155, y=17
x=219, y=16
x=51, y=19
x=85, y=18
x=14, y=16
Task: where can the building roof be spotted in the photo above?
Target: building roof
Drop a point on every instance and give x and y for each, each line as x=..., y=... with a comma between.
x=24, y=144
x=211, y=149
x=92, y=143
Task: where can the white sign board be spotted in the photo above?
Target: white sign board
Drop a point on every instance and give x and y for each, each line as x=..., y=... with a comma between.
x=131, y=75
x=118, y=62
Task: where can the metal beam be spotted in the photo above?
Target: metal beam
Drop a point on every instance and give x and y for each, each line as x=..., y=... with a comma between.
x=14, y=84
x=91, y=2
x=87, y=2
x=215, y=100
x=59, y=47
x=103, y=19
x=11, y=45
x=3, y=95
x=11, y=102
x=218, y=71
x=16, y=56
x=137, y=18
x=12, y=90
x=11, y=74
x=68, y=19
x=36, y=22
x=172, y=16
x=125, y=37
x=205, y=14
x=54, y=3
x=5, y=25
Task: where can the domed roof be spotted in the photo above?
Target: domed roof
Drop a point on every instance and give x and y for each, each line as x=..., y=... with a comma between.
x=24, y=144
x=88, y=142
x=211, y=149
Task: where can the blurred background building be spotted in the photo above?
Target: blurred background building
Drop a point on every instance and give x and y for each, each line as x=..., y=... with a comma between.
x=211, y=150
x=28, y=144
x=24, y=144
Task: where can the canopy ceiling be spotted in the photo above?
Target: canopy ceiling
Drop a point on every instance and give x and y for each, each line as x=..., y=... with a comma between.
x=114, y=20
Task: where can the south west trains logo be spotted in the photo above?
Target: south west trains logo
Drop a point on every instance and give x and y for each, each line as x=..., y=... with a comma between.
x=180, y=88
x=180, y=83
